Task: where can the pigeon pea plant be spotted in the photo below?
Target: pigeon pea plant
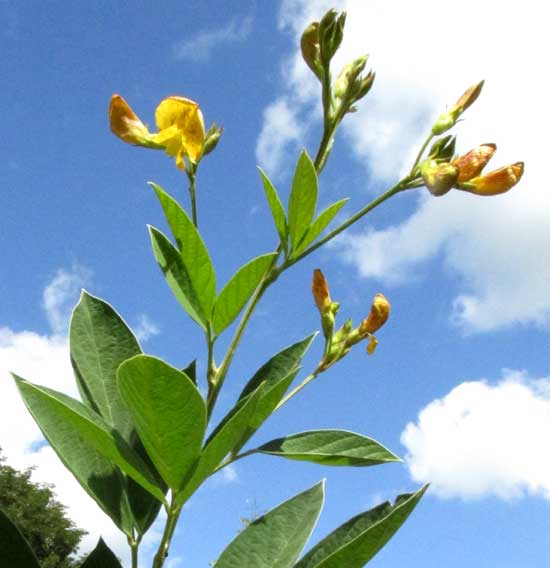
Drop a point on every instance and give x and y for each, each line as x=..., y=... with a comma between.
x=136, y=442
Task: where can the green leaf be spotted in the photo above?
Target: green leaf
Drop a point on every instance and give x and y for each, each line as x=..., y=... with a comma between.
x=303, y=198
x=14, y=549
x=101, y=557
x=86, y=445
x=193, y=251
x=330, y=447
x=220, y=443
x=191, y=371
x=177, y=276
x=169, y=413
x=319, y=225
x=279, y=366
x=100, y=342
x=277, y=210
x=238, y=290
x=355, y=542
x=145, y=508
x=276, y=539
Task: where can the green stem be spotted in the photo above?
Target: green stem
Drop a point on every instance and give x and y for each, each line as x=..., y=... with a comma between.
x=169, y=528
x=211, y=368
x=192, y=194
x=402, y=185
x=270, y=276
x=297, y=389
x=421, y=152
x=134, y=548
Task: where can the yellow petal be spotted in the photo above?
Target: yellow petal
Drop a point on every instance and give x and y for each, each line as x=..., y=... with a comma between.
x=170, y=139
x=185, y=115
x=192, y=130
x=371, y=347
x=126, y=125
x=496, y=182
x=180, y=164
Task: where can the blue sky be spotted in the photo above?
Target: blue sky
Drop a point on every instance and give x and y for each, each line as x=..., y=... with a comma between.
x=459, y=385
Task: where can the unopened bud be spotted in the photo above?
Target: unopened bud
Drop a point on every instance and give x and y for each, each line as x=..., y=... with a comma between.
x=365, y=85
x=468, y=98
x=212, y=138
x=471, y=164
x=448, y=119
x=495, y=182
x=331, y=33
x=379, y=314
x=321, y=293
x=341, y=84
x=438, y=178
x=310, y=47
x=443, y=149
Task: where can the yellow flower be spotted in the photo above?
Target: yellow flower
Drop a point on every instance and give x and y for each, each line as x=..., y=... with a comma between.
x=179, y=122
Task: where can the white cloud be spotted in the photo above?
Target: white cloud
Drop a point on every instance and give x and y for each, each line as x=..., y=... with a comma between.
x=484, y=439
x=279, y=129
x=199, y=47
x=145, y=328
x=495, y=246
x=60, y=296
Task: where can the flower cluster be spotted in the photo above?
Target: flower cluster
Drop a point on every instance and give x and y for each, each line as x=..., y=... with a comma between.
x=339, y=343
x=442, y=171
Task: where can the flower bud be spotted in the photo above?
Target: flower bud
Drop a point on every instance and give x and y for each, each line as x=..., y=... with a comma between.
x=349, y=84
x=443, y=149
x=495, y=182
x=331, y=33
x=320, y=290
x=327, y=308
x=379, y=314
x=467, y=99
x=311, y=53
x=471, y=164
x=341, y=84
x=212, y=138
x=365, y=85
x=448, y=119
x=438, y=178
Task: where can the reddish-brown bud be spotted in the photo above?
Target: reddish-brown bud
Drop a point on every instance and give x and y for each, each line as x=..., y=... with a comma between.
x=321, y=293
